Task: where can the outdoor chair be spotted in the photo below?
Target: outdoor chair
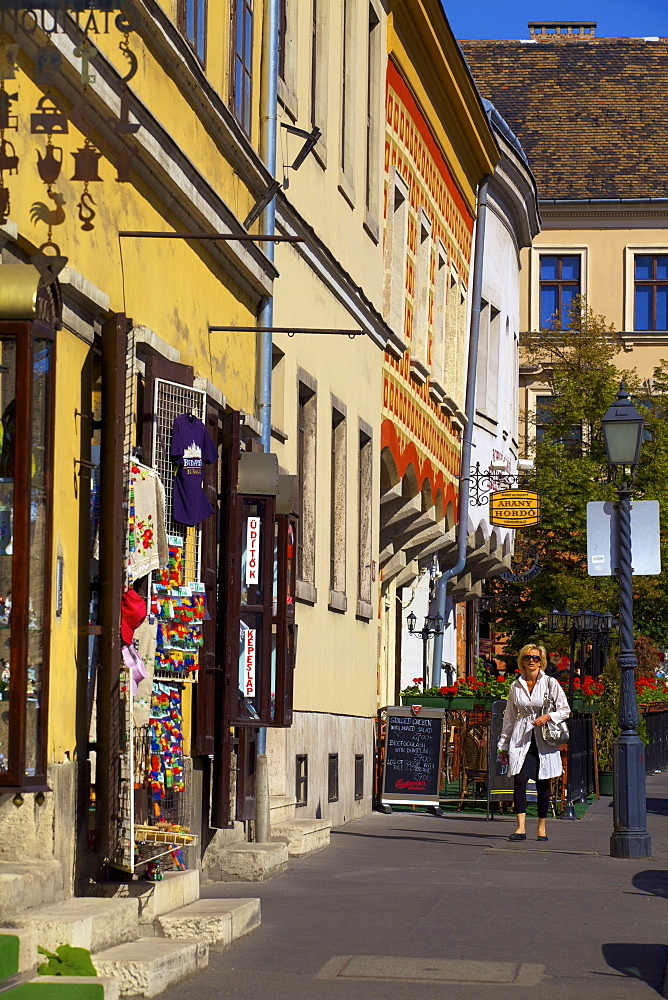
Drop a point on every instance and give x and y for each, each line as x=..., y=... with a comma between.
x=474, y=764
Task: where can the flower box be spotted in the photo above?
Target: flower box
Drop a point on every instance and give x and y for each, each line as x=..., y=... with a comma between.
x=427, y=701
x=486, y=702
x=462, y=701
x=580, y=705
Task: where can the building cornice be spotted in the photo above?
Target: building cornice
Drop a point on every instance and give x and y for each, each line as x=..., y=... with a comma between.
x=422, y=45
x=641, y=213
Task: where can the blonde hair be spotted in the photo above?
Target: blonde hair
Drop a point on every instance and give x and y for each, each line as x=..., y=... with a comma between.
x=525, y=649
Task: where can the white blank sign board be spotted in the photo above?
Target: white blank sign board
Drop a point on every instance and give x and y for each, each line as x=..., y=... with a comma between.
x=602, y=535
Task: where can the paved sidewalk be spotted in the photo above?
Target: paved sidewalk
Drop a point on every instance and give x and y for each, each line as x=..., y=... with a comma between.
x=409, y=905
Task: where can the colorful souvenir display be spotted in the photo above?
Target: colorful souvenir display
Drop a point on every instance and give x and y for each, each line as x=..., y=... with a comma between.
x=180, y=612
x=166, y=770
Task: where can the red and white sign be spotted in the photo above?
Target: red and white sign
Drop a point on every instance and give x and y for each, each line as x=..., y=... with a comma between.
x=249, y=663
x=253, y=551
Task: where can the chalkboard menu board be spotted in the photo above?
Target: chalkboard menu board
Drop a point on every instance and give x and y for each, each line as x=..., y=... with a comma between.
x=413, y=743
x=500, y=784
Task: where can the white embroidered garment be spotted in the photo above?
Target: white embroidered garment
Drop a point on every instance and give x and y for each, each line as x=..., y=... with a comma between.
x=522, y=708
x=147, y=538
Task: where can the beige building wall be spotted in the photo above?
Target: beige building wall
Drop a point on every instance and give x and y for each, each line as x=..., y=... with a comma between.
x=606, y=236
x=331, y=280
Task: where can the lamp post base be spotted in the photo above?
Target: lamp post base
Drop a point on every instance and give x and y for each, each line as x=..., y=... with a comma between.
x=630, y=838
x=630, y=845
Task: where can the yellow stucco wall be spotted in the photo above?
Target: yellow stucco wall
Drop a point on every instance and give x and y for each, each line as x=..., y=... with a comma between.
x=176, y=288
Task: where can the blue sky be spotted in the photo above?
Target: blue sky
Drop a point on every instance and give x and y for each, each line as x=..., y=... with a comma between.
x=492, y=19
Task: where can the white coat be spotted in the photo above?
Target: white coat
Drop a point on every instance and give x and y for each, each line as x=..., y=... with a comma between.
x=521, y=710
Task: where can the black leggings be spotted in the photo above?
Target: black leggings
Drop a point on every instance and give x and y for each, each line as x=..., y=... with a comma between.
x=530, y=770
x=520, y=795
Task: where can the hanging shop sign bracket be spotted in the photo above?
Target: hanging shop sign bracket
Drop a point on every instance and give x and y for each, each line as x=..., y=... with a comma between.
x=241, y=237
x=290, y=330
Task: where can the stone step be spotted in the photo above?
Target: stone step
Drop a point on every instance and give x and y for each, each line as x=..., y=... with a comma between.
x=218, y=921
x=174, y=890
x=26, y=884
x=18, y=951
x=281, y=808
x=252, y=862
x=303, y=836
x=147, y=966
x=86, y=922
x=99, y=987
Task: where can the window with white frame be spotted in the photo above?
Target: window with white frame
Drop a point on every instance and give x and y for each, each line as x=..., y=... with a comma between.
x=559, y=285
x=650, y=291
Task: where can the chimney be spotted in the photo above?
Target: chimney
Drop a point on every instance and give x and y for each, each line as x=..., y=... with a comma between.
x=542, y=31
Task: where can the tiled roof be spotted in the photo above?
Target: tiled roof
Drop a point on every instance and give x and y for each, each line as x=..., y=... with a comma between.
x=591, y=113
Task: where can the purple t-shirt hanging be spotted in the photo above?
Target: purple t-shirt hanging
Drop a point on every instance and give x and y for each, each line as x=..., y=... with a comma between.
x=191, y=446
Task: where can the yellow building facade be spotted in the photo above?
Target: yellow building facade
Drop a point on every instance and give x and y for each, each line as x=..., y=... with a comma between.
x=116, y=125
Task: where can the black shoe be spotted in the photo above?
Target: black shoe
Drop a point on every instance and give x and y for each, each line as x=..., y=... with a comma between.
x=541, y=838
x=517, y=836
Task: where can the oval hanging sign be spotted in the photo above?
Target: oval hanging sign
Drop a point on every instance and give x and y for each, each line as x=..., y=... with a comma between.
x=514, y=508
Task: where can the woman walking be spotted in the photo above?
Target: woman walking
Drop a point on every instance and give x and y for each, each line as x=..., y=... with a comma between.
x=521, y=744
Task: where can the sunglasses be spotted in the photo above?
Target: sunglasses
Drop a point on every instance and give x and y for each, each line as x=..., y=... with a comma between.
x=532, y=657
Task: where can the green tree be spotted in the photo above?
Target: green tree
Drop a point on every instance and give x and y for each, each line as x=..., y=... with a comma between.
x=577, y=362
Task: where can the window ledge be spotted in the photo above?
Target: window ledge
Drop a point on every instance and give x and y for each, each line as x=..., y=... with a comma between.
x=277, y=433
x=288, y=98
x=306, y=592
x=371, y=226
x=365, y=610
x=346, y=189
x=436, y=391
x=337, y=602
x=320, y=150
x=419, y=371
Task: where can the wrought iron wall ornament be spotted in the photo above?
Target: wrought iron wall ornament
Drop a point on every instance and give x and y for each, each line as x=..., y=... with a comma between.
x=49, y=165
x=4, y=203
x=40, y=212
x=126, y=154
x=124, y=46
x=482, y=483
x=9, y=55
x=86, y=212
x=49, y=264
x=86, y=161
x=7, y=119
x=49, y=64
x=86, y=51
x=8, y=160
x=48, y=118
x=524, y=565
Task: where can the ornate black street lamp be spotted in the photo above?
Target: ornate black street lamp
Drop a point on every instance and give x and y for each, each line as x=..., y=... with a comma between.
x=623, y=432
x=432, y=626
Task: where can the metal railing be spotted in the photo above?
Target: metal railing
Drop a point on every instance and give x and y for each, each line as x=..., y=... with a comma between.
x=656, y=750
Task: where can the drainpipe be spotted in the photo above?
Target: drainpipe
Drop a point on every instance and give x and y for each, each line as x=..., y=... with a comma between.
x=268, y=125
x=462, y=520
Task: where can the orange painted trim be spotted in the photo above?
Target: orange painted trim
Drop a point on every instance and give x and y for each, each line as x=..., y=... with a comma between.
x=397, y=82
x=405, y=453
